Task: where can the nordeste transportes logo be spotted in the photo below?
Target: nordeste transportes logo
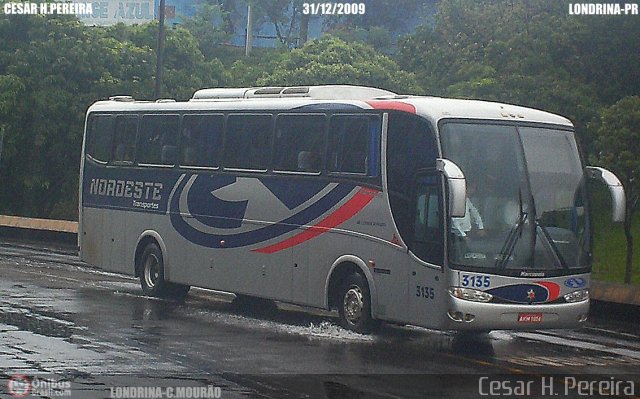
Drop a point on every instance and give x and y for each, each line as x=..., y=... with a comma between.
x=537, y=292
x=216, y=207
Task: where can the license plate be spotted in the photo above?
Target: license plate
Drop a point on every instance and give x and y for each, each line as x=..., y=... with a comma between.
x=529, y=317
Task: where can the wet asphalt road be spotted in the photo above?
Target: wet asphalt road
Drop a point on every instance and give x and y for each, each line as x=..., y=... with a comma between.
x=63, y=321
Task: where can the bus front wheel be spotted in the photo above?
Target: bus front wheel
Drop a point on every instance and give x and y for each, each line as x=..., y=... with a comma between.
x=354, y=305
x=152, y=276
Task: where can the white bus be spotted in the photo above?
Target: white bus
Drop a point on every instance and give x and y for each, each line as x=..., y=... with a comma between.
x=442, y=213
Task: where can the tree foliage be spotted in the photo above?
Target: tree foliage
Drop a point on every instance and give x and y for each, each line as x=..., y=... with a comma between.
x=51, y=70
x=529, y=52
x=284, y=15
x=330, y=60
x=208, y=26
x=617, y=142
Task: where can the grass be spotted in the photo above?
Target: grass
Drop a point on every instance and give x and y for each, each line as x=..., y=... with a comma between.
x=610, y=248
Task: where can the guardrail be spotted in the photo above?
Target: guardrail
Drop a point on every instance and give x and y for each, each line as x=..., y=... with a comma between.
x=66, y=231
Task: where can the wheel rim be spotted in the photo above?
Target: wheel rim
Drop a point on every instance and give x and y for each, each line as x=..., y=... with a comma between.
x=353, y=304
x=151, y=270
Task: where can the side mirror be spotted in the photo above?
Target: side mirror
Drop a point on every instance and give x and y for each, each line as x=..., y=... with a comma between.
x=457, y=186
x=615, y=188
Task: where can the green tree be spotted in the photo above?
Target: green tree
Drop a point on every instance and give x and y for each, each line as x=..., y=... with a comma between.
x=51, y=69
x=11, y=88
x=528, y=52
x=205, y=26
x=330, y=60
x=284, y=15
x=390, y=15
x=263, y=62
x=617, y=141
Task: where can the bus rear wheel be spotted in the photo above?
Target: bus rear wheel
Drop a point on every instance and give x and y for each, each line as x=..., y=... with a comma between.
x=354, y=305
x=152, y=276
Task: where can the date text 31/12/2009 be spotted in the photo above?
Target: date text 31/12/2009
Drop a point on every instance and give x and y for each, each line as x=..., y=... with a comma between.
x=330, y=8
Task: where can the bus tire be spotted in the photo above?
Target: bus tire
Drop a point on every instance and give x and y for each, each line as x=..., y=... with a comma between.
x=354, y=304
x=152, y=273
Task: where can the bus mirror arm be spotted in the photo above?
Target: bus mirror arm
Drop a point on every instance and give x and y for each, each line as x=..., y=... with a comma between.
x=615, y=188
x=456, y=184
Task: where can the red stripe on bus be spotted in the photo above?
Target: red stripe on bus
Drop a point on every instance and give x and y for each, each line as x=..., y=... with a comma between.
x=553, y=288
x=392, y=105
x=342, y=214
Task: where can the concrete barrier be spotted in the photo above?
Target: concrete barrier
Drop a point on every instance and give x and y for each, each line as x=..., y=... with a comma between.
x=63, y=226
x=615, y=293
x=33, y=229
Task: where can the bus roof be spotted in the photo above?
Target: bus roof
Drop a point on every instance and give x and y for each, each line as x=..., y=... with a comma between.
x=284, y=98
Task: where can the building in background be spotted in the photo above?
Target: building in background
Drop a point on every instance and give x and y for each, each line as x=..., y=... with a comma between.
x=111, y=12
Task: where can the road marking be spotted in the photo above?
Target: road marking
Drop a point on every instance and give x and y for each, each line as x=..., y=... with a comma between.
x=579, y=345
x=622, y=334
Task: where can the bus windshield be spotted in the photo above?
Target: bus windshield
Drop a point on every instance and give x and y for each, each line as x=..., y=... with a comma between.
x=525, y=208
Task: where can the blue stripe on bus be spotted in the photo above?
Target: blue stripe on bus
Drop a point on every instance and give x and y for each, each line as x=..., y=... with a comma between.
x=210, y=210
x=269, y=232
x=293, y=193
x=214, y=212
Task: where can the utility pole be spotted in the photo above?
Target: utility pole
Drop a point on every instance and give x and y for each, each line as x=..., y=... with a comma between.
x=160, y=51
x=249, y=41
x=304, y=29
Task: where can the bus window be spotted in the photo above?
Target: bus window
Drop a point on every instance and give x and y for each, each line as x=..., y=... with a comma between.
x=411, y=147
x=124, y=145
x=352, y=147
x=100, y=137
x=427, y=238
x=201, y=140
x=300, y=142
x=248, y=142
x=158, y=139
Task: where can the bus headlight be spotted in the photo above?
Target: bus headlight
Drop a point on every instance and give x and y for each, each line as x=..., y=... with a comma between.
x=577, y=296
x=470, y=294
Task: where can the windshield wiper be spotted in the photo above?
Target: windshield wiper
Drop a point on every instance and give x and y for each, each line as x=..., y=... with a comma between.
x=512, y=238
x=550, y=245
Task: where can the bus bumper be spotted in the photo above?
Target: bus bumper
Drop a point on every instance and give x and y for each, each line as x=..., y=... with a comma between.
x=468, y=315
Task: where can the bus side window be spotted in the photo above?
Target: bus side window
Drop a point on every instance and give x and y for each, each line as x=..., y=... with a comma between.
x=201, y=141
x=300, y=142
x=248, y=141
x=353, y=144
x=100, y=138
x=158, y=134
x=124, y=145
